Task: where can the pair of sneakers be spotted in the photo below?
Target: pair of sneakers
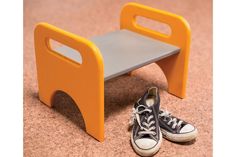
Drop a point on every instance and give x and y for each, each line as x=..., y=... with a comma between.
x=150, y=123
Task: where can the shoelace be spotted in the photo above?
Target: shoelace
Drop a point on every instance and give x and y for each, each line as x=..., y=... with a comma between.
x=146, y=126
x=166, y=114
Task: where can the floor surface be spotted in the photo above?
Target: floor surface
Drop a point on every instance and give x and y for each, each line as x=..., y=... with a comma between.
x=59, y=132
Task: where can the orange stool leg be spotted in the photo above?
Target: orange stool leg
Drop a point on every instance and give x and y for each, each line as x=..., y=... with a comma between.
x=174, y=67
x=84, y=82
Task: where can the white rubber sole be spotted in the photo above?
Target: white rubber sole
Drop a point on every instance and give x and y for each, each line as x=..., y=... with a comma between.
x=180, y=137
x=147, y=152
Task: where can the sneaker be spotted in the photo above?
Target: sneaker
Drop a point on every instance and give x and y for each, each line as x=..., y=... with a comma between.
x=146, y=136
x=175, y=129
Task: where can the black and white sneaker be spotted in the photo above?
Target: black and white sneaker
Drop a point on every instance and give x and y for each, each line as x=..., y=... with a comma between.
x=146, y=136
x=175, y=129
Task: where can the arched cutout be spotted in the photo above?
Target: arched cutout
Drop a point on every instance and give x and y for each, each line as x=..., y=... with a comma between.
x=65, y=105
x=163, y=80
x=153, y=70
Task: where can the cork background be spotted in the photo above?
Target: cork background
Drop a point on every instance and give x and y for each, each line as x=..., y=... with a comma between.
x=60, y=131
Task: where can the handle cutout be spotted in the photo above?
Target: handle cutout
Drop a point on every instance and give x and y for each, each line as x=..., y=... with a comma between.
x=153, y=25
x=65, y=51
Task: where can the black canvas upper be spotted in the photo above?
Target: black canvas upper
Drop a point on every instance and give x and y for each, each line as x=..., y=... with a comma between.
x=163, y=121
x=141, y=105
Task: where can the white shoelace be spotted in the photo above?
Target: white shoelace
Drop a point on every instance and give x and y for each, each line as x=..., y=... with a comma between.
x=166, y=114
x=145, y=127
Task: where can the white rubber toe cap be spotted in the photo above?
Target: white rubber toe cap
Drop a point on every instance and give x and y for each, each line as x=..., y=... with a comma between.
x=145, y=143
x=187, y=128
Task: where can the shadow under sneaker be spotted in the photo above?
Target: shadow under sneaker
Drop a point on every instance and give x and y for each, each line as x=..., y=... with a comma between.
x=175, y=129
x=146, y=136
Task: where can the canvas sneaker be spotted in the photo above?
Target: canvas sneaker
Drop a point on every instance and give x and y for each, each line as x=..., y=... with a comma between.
x=175, y=129
x=146, y=136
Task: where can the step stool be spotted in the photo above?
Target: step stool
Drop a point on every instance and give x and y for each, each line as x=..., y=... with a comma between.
x=81, y=66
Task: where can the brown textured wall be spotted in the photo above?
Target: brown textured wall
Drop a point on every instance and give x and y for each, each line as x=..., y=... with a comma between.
x=60, y=131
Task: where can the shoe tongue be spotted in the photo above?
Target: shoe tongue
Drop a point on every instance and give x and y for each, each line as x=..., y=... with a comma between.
x=149, y=95
x=151, y=92
x=142, y=100
x=145, y=135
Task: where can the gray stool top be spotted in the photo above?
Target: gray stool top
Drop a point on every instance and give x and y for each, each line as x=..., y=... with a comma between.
x=124, y=51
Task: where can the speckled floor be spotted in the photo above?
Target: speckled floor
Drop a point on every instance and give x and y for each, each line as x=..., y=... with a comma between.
x=59, y=132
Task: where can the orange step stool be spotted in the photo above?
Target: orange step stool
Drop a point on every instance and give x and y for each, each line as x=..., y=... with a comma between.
x=81, y=66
